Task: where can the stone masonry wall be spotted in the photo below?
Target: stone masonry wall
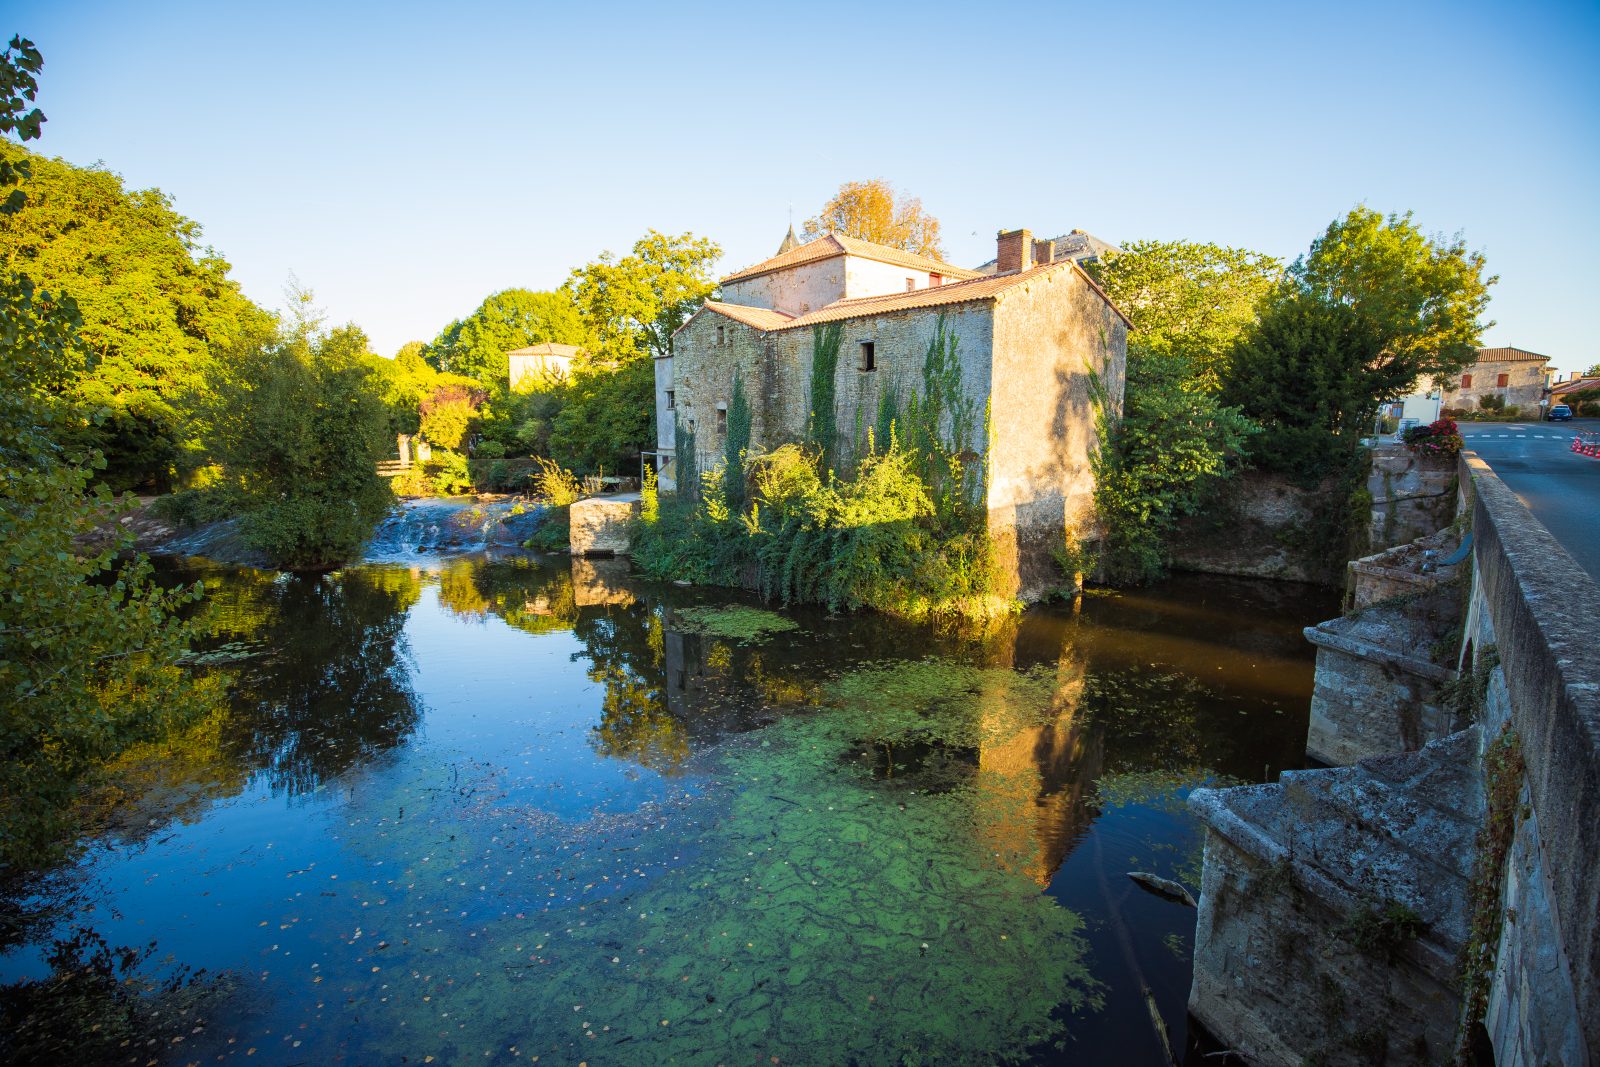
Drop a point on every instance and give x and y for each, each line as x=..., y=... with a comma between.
x=1534, y=608
x=1050, y=336
x=1412, y=495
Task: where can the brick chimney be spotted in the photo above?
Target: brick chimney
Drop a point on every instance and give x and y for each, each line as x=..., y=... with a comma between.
x=1014, y=251
x=1044, y=253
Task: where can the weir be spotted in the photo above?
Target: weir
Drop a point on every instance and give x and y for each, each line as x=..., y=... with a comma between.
x=1437, y=900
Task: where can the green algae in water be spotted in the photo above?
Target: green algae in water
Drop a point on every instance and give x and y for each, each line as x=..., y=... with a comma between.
x=938, y=702
x=735, y=623
x=791, y=909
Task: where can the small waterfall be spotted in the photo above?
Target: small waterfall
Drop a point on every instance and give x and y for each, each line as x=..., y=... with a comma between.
x=451, y=526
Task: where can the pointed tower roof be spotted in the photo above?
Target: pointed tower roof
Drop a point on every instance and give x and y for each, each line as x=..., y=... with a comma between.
x=789, y=241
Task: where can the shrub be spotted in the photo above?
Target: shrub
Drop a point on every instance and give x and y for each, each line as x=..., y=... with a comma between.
x=871, y=540
x=1440, y=438
x=554, y=484
x=412, y=482
x=490, y=450
x=447, y=474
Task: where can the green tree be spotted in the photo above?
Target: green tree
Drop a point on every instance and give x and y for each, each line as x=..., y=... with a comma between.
x=89, y=645
x=1158, y=459
x=476, y=347
x=155, y=305
x=1189, y=299
x=607, y=418
x=298, y=429
x=1312, y=372
x=635, y=304
x=871, y=211
x=1421, y=297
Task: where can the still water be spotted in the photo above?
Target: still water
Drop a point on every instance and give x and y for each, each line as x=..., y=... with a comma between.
x=531, y=810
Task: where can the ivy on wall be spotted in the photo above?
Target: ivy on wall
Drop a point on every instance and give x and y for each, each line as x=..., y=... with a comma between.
x=822, y=432
x=736, y=445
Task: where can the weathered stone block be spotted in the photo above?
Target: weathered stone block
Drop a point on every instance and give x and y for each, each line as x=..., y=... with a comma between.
x=600, y=524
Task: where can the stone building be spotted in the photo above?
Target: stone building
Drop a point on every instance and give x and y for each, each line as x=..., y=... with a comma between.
x=1517, y=375
x=544, y=360
x=1026, y=340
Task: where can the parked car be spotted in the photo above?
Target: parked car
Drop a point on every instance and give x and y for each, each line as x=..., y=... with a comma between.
x=1558, y=413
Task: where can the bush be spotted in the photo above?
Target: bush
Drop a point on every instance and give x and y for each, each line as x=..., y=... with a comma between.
x=870, y=540
x=413, y=482
x=1440, y=438
x=555, y=485
x=448, y=475
x=1492, y=403
x=489, y=450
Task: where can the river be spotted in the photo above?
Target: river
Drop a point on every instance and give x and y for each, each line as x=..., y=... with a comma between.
x=479, y=809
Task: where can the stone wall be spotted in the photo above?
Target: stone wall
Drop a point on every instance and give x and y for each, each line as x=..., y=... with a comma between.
x=1534, y=607
x=1256, y=529
x=1412, y=495
x=1050, y=335
x=600, y=524
x=1332, y=910
x=1419, y=831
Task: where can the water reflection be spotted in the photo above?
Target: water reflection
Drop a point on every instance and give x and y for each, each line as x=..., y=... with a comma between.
x=328, y=687
x=578, y=820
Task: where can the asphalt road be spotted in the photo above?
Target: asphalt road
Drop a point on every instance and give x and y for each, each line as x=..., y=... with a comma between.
x=1560, y=487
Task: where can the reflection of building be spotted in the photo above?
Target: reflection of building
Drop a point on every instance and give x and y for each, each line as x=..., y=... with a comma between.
x=1035, y=783
x=600, y=582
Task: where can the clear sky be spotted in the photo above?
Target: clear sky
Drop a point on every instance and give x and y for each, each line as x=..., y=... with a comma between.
x=404, y=161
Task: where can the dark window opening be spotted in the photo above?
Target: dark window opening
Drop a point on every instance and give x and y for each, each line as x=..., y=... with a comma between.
x=672, y=400
x=911, y=285
x=721, y=335
x=1503, y=380
x=869, y=355
x=722, y=420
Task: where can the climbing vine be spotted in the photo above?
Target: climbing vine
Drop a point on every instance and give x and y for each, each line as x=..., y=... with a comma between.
x=822, y=432
x=736, y=445
x=1503, y=768
x=688, y=475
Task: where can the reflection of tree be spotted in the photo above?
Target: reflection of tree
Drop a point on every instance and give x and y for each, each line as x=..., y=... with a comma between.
x=336, y=690
x=459, y=592
x=635, y=723
x=529, y=596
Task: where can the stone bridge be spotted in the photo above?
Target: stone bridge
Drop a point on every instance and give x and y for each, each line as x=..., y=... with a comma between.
x=1437, y=898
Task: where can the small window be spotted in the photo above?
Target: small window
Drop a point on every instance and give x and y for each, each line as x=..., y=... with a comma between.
x=672, y=400
x=722, y=420
x=1502, y=380
x=935, y=280
x=911, y=285
x=1466, y=381
x=721, y=335
x=869, y=355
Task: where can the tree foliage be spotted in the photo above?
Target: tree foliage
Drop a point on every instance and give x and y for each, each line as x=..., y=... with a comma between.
x=1421, y=297
x=1157, y=460
x=89, y=645
x=298, y=429
x=476, y=347
x=636, y=303
x=1312, y=373
x=871, y=211
x=156, y=307
x=607, y=419
x=1188, y=299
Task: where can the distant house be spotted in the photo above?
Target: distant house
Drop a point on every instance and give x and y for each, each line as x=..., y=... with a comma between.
x=1078, y=246
x=541, y=361
x=1562, y=392
x=1024, y=343
x=1513, y=374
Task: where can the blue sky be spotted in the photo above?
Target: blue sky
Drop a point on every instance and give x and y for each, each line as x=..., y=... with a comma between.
x=404, y=161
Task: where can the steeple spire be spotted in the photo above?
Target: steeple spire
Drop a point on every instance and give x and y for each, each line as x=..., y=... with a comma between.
x=789, y=241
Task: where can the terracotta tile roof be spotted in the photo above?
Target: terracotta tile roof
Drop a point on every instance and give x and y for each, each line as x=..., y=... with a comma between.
x=1510, y=355
x=835, y=244
x=760, y=318
x=1574, y=386
x=984, y=287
